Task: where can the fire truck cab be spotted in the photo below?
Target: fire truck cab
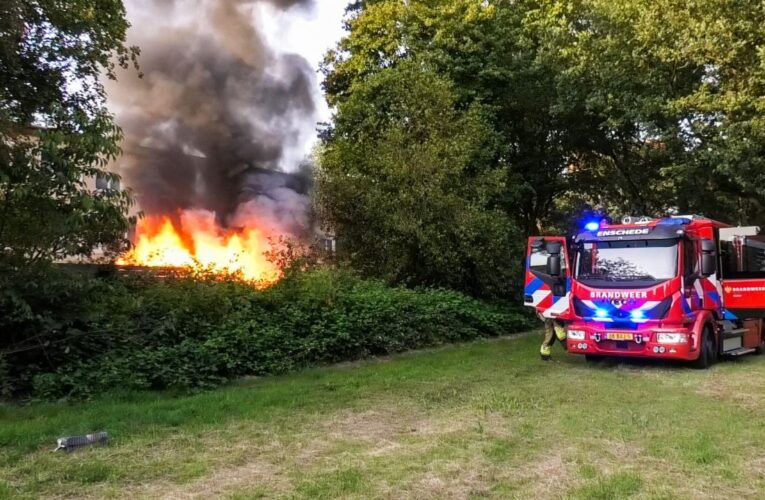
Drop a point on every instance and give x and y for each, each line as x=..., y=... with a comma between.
x=681, y=287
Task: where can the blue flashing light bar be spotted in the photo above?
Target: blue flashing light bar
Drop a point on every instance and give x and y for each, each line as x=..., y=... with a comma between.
x=674, y=221
x=592, y=225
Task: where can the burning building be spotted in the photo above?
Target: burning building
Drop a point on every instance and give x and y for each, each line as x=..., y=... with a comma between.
x=214, y=132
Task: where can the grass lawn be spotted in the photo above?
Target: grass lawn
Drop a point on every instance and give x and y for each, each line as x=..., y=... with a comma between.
x=483, y=419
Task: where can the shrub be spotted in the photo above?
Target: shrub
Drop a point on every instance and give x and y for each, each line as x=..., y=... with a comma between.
x=82, y=335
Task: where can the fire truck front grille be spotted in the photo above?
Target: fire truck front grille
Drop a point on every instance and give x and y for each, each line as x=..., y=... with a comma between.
x=621, y=345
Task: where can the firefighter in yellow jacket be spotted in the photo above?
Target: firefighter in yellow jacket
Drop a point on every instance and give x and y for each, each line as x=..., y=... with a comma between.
x=554, y=329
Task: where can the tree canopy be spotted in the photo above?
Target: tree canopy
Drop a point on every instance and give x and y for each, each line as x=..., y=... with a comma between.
x=55, y=130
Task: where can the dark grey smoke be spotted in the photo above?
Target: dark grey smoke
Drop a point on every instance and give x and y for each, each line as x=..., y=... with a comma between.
x=209, y=123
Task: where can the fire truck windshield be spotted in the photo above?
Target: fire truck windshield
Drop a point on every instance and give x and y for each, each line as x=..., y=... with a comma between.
x=627, y=261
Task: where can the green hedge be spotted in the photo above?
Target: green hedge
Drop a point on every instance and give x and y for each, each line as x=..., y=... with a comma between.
x=83, y=335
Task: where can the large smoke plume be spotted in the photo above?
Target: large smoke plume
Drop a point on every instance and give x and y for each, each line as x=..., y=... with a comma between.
x=211, y=122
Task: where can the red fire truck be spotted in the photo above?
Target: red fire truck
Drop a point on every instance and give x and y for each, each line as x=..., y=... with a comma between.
x=681, y=287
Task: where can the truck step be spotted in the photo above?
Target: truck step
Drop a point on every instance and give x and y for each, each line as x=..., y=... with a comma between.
x=730, y=334
x=739, y=352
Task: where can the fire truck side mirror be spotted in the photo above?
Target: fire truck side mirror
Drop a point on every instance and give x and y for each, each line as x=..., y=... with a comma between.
x=708, y=258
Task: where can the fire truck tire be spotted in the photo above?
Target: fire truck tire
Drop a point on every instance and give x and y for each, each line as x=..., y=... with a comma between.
x=707, y=351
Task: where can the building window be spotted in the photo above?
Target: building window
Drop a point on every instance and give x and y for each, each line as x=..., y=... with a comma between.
x=330, y=245
x=103, y=182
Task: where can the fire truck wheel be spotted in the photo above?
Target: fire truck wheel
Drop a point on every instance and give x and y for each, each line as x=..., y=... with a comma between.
x=708, y=352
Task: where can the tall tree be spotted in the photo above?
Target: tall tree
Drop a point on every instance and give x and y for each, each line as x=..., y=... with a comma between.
x=55, y=130
x=407, y=182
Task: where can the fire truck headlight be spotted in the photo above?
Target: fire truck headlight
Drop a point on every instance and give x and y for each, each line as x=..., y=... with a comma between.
x=671, y=338
x=576, y=334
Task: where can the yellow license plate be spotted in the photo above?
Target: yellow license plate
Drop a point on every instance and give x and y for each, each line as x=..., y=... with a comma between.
x=619, y=336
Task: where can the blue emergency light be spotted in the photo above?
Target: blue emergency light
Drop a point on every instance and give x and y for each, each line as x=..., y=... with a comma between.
x=637, y=314
x=601, y=313
x=674, y=221
x=592, y=225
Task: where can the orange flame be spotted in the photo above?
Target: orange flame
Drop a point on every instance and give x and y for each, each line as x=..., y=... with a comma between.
x=199, y=242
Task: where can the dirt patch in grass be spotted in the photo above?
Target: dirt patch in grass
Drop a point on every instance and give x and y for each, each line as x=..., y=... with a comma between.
x=257, y=474
x=223, y=465
x=545, y=476
x=386, y=426
x=745, y=389
x=452, y=479
x=549, y=474
x=370, y=426
x=603, y=468
x=380, y=432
